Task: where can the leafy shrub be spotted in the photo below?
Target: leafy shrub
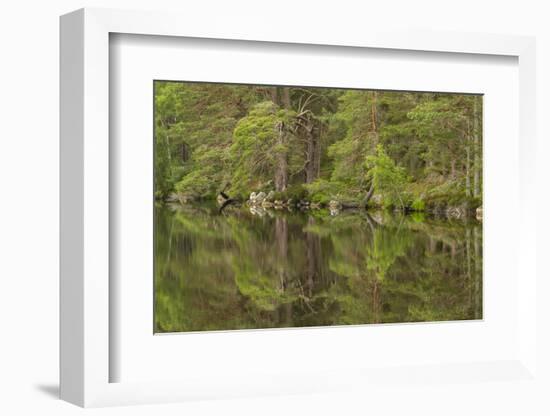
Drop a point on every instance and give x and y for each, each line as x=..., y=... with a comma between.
x=418, y=204
x=321, y=191
x=389, y=179
x=296, y=192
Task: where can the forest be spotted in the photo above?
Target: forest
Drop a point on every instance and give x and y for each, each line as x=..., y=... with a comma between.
x=285, y=146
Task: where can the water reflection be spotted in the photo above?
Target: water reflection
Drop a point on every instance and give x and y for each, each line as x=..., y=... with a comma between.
x=268, y=269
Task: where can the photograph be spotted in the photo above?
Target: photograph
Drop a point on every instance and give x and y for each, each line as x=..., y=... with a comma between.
x=224, y=208
x=289, y=206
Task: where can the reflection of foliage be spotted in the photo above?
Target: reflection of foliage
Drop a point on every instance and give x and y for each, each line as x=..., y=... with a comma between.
x=387, y=246
x=262, y=290
x=258, y=280
x=240, y=271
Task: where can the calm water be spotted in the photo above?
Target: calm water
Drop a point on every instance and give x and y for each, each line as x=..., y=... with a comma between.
x=244, y=269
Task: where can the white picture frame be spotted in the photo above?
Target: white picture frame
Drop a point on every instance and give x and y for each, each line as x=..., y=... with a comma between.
x=85, y=218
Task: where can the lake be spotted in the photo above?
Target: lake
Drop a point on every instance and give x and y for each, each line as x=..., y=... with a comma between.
x=251, y=268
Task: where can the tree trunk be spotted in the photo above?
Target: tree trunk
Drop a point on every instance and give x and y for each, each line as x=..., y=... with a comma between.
x=275, y=95
x=285, y=97
x=281, y=97
x=309, y=128
x=369, y=195
x=313, y=149
x=184, y=152
x=169, y=155
x=374, y=130
x=281, y=171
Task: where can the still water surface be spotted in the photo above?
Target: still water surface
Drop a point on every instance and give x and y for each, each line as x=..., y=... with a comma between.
x=275, y=269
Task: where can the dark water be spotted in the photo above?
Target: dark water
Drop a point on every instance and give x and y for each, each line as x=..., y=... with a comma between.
x=278, y=269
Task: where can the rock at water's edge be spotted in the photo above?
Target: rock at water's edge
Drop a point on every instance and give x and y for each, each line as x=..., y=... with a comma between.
x=479, y=213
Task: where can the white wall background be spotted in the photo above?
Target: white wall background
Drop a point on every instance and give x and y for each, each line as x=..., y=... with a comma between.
x=29, y=193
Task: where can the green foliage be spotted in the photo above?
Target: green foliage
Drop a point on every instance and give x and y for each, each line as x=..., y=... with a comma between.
x=418, y=204
x=449, y=193
x=323, y=191
x=256, y=147
x=294, y=192
x=349, y=152
x=422, y=150
x=389, y=179
x=194, y=126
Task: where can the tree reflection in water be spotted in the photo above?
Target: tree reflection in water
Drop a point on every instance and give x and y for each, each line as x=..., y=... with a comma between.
x=278, y=269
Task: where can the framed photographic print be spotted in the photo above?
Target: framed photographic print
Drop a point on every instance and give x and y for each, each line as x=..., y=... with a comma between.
x=269, y=214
